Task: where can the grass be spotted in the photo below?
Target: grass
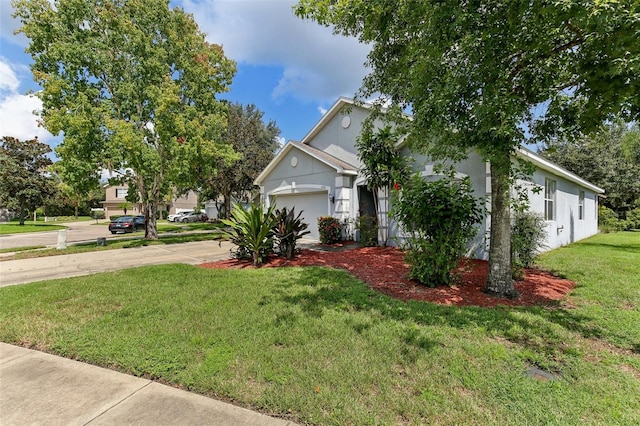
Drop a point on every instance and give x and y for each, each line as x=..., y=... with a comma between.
x=316, y=346
x=15, y=228
x=127, y=241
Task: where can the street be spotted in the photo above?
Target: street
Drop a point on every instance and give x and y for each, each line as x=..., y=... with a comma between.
x=76, y=232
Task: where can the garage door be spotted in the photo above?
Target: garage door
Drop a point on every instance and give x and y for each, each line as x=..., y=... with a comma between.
x=312, y=205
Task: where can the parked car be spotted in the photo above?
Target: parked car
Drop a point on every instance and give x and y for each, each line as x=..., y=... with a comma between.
x=123, y=223
x=139, y=221
x=176, y=217
x=190, y=217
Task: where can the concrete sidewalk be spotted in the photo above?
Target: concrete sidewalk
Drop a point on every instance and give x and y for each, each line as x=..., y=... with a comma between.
x=42, y=389
x=22, y=271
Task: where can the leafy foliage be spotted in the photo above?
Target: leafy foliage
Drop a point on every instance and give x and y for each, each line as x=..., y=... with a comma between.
x=368, y=228
x=438, y=218
x=608, y=220
x=382, y=165
x=288, y=229
x=490, y=76
x=24, y=183
x=329, y=229
x=606, y=159
x=133, y=85
x=528, y=236
x=256, y=143
x=252, y=231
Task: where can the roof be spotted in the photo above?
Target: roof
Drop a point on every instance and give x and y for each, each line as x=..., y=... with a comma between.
x=547, y=165
x=338, y=165
x=345, y=168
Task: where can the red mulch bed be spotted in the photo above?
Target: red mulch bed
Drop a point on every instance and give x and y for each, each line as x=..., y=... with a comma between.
x=384, y=270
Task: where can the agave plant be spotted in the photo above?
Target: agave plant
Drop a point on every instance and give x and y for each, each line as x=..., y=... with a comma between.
x=289, y=228
x=252, y=231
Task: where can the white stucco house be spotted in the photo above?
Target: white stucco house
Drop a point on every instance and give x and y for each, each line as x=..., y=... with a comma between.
x=320, y=175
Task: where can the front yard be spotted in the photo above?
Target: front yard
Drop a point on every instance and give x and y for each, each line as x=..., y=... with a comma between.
x=315, y=345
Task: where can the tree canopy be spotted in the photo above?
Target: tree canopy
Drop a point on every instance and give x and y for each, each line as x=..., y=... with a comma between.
x=133, y=86
x=256, y=142
x=487, y=75
x=25, y=183
x=605, y=158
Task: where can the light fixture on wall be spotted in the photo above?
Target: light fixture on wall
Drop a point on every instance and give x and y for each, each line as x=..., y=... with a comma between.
x=332, y=199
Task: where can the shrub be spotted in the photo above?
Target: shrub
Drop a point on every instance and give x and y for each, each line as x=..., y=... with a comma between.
x=329, y=229
x=608, y=220
x=368, y=228
x=633, y=220
x=439, y=219
x=97, y=214
x=252, y=231
x=289, y=228
x=528, y=235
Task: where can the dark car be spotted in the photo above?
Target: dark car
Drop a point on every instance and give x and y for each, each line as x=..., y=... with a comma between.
x=123, y=224
x=139, y=221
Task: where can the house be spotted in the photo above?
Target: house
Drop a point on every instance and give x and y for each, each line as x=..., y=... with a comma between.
x=116, y=199
x=320, y=175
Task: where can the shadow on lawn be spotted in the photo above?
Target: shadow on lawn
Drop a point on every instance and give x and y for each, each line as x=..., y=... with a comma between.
x=532, y=327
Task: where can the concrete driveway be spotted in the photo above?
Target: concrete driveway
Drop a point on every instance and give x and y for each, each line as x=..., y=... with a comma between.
x=22, y=271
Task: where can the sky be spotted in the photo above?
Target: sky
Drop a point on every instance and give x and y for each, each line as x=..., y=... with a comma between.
x=291, y=69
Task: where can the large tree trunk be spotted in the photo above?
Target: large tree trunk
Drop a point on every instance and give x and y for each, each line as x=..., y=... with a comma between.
x=150, y=213
x=499, y=280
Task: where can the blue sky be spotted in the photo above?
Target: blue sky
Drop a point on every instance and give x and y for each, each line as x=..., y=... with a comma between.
x=293, y=70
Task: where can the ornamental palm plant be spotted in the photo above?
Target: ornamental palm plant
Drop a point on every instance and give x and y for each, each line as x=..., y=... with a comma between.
x=289, y=229
x=252, y=231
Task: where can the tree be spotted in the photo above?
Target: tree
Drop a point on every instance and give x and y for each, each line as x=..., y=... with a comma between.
x=488, y=75
x=256, y=142
x=604, y=158
x=24, y=182
x=382, y=165
x=133, y=85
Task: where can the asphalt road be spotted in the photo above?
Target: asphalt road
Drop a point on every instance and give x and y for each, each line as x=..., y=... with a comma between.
x=76, y=232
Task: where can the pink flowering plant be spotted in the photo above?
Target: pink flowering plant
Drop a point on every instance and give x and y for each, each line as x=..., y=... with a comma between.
x=330, y=229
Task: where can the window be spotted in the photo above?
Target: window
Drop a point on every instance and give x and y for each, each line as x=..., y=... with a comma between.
x=121, y=192
x=549, y=199
x=581, y=205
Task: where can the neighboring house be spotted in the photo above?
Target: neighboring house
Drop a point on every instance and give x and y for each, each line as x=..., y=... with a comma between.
x=116, y=196
x=320, y=175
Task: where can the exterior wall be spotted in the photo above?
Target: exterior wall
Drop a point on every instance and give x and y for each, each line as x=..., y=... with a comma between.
x=566, y=227
x=186, y=202
x=114, y=198
x=308, y=175
x=339, y=141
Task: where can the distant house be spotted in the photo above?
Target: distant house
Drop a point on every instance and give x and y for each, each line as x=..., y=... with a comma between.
x=116, y=197
x=321, y=176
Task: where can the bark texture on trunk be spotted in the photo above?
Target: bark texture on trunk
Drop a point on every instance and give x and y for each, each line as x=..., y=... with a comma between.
x=499, y=279
x=150, y=214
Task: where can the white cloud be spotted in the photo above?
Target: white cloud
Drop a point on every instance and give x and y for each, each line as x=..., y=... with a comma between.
x=318, y=65
x=8, y=25
x=8, y=80
x=17, y=110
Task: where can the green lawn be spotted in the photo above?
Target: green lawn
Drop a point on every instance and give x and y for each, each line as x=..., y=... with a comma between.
x=316, y=346
x=15, y=228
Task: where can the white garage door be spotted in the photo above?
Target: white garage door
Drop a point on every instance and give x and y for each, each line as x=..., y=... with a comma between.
x=313, y=205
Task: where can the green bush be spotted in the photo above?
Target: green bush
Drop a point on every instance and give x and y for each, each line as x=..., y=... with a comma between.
x=329, y=229
x=528, y=235
x=97, y=214
x=368, y=228
x=439, y=219
x=289, y=228
x=633, y=220
x=608, y=220
x=252, y=231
